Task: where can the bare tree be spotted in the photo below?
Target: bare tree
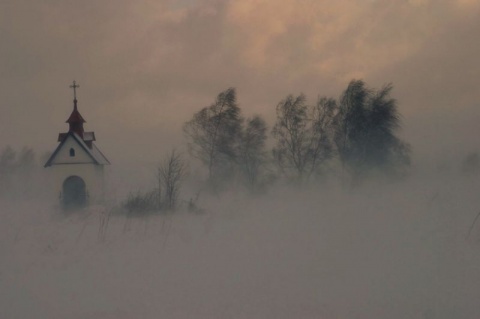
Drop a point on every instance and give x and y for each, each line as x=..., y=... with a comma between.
x=252, y=154
x=321, y=132
x=303, y=135
x=170, y=174
x=213, y=133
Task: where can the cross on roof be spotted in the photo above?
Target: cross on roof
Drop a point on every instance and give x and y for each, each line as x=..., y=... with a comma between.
x=74, y=86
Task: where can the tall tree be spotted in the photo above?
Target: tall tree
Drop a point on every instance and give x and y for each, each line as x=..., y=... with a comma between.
x=252, y=154
x=381, y=144
x=302, y=135
x=213, y=133
x=322, y=129
x=365, y=130
x=351, y=123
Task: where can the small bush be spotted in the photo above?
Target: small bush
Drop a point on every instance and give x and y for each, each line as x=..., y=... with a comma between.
x=142, y=203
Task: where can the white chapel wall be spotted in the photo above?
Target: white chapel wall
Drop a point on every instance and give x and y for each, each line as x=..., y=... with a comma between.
x=63, y=156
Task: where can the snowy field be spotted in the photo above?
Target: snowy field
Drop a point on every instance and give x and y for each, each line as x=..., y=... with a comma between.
x=382, y=251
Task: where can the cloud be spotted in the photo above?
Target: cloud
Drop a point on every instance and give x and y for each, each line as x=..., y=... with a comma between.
x=144, y=67
x=340, y=38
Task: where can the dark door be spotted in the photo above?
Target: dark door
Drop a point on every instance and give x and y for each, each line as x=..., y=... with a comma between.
x=74, y=193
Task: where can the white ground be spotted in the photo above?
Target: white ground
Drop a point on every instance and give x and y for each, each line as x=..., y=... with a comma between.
x=382, y=251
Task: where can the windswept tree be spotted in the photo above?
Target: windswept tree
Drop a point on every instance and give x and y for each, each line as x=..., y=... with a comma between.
x=303, y=135
x=383, y=148
x=213, y=134
x=366, y=126
x=252, y=155
x=351, y=124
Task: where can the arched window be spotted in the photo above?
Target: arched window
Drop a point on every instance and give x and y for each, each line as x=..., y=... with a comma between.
x=72, y=152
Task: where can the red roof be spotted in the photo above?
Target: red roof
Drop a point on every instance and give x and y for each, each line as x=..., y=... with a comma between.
x=75, y=117
x=75, y=121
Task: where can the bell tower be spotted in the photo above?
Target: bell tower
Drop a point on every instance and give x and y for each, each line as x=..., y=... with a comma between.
x=75, y=121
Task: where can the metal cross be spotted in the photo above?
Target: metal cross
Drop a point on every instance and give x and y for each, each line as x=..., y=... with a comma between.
x=74, y=86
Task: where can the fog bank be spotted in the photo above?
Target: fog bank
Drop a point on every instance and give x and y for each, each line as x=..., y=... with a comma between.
x=397, y=250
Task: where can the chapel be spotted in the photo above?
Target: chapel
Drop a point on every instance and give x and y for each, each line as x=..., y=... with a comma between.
x=77, y=166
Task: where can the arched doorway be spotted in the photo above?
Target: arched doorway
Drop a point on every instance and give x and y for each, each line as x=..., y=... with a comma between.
x=74, y=193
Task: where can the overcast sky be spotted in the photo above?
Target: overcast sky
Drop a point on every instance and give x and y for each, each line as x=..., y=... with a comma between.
x=144, y=67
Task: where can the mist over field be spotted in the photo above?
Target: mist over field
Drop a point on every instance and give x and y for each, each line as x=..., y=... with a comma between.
x=384, y=250
x=374, y=212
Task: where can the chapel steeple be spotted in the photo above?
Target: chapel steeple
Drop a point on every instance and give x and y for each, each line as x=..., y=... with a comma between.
x=75, y=121
x=77, y=165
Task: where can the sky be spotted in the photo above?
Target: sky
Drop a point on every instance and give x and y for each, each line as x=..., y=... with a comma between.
x=144, y=67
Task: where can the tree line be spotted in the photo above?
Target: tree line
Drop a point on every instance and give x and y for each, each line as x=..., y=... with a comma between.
x=17, y=169
x=357, y=133
x=354, y=136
